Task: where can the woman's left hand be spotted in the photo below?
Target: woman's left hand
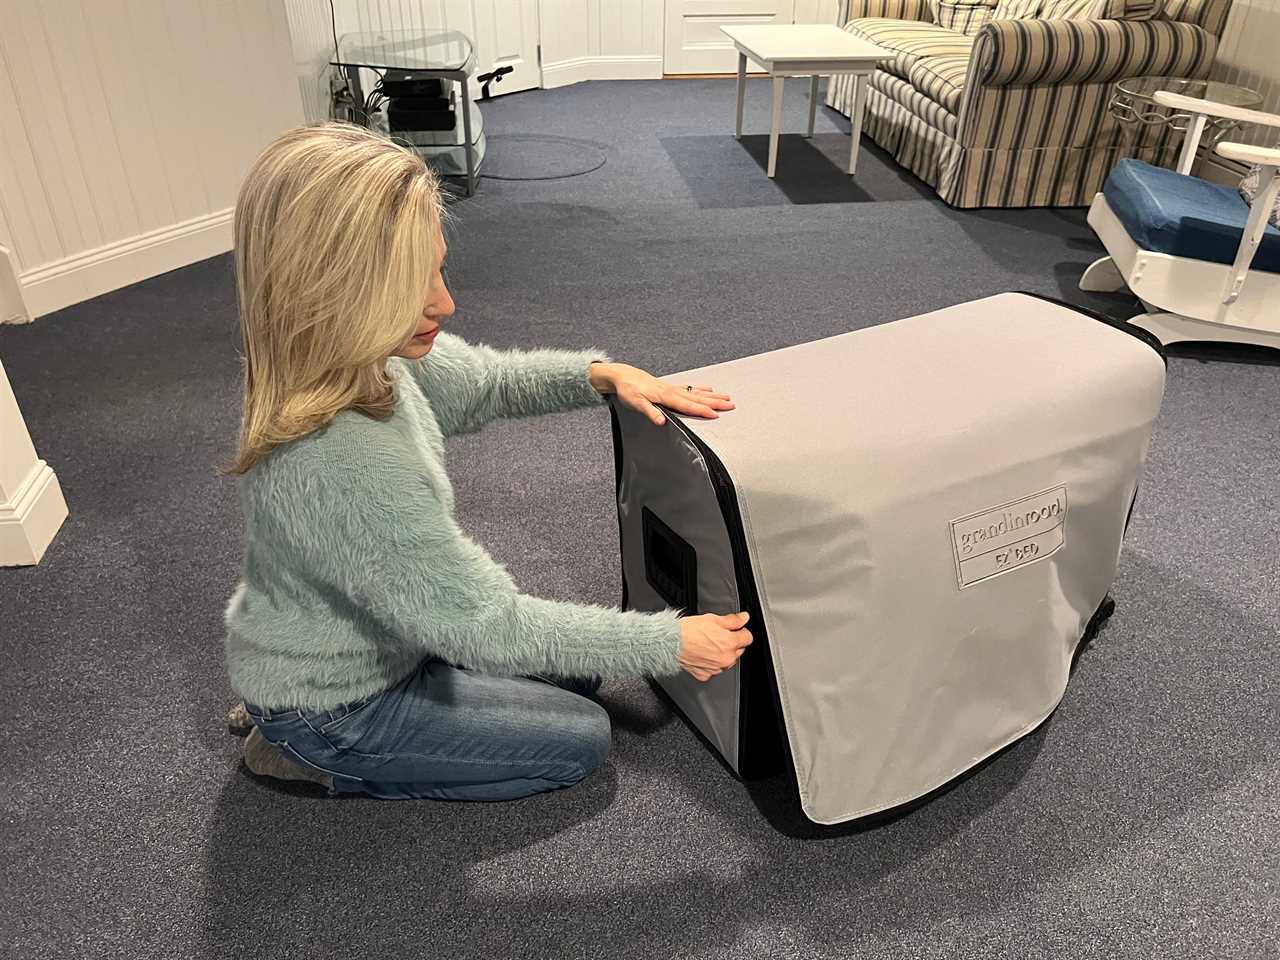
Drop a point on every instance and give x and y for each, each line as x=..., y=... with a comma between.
x=644, y=392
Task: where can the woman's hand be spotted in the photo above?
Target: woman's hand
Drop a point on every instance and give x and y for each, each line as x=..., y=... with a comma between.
x=711, y=643
x=644, y=392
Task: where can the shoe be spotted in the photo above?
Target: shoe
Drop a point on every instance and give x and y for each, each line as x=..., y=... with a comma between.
x=238, y=721
x=265, y=759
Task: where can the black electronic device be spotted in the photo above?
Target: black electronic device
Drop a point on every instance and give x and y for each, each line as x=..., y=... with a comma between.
x=406, y=83
x=420, y=113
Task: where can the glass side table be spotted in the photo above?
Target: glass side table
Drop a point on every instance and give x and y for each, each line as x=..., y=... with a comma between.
x=444, y=55
x=1131, y=103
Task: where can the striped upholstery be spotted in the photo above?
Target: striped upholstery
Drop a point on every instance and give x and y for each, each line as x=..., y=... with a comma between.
x=1017, y=10
x=911, y=41
x=1209, y=15
x=1127, y=9
x=1023, y=120
x=930, y=111
x=1089, y=51
x=941, y=79
x=1074, y=9
x=1078, y=9
x=966, y=16
x=893, y=9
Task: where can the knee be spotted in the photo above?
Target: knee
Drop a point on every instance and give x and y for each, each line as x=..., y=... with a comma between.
x=590, y=737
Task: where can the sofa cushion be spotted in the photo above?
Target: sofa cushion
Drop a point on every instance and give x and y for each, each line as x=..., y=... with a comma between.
x=911, y=41
x=941, y=79
x=910, y=99
x=1167, y=212
x=967, y=16
x=1077, y=9
x=1127, y=9
x=1017, y=10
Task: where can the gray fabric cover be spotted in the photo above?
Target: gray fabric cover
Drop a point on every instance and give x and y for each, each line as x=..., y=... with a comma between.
x=933, y=510
x=664, y=472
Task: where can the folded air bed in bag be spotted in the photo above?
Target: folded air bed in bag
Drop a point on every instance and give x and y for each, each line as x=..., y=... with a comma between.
x=923, y=519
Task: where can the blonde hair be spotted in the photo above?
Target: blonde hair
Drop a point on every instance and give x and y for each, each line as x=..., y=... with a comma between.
x=335, y=237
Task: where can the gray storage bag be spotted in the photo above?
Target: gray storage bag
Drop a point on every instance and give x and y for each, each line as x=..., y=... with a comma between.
x=923, y=519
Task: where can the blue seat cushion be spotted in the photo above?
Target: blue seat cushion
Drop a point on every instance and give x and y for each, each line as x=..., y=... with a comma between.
x=1168, y=212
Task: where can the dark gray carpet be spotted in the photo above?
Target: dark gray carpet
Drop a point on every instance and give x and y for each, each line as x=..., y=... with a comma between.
x=1141, y=821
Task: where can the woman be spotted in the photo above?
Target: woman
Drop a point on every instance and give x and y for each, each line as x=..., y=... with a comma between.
x=378, y=649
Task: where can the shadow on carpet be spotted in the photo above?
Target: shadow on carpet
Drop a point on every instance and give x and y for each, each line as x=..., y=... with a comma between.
x=722, y=172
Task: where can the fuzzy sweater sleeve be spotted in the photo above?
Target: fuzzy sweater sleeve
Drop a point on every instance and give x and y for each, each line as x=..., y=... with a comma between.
x=376, y=528
x=470, y=384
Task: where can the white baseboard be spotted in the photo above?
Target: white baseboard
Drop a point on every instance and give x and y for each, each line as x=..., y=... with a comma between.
x=53, y=286
x=600, y=68
x=29, y=524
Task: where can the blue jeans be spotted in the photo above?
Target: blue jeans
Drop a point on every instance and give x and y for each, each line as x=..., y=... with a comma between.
x=448, y=734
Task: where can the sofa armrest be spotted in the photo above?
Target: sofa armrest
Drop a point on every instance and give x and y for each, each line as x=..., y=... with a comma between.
x=1033, y=52
x=891, y=9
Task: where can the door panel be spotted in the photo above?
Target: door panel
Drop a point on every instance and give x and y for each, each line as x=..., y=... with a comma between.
x=506, y=35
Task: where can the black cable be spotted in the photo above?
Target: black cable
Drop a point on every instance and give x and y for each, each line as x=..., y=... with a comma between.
x=542, y=138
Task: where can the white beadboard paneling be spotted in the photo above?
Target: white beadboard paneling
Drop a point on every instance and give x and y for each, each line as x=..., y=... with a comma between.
x=32, y=230
x=125, y=129
x=59, y=166
x=600, y=40
x=564, y=31
x=311, y=37
x=122, y=66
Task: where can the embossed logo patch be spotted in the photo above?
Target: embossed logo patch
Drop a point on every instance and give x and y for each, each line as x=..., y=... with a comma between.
x=1009, y=536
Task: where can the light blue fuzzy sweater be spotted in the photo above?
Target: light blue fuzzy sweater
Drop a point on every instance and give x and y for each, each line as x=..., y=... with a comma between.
x=356, y=568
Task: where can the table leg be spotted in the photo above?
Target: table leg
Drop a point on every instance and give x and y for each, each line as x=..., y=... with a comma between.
x=855, y=132
x=465, y=106
x=813, y=103
x=742, y=91
x=776, y=126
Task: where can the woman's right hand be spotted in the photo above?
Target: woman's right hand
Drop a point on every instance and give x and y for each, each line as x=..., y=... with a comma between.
x=711, y=643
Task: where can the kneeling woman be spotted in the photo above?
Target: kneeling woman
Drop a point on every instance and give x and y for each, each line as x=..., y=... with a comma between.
x=378, y=649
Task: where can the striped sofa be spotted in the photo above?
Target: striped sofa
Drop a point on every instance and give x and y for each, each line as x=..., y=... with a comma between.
x=1013, y=112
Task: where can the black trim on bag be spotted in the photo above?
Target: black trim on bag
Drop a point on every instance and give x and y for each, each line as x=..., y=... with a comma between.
x=763, y=747
x=1146, y=336
x=617, y=489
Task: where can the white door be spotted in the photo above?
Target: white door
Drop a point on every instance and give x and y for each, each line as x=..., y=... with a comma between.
x=694, y=43
x=506, y=35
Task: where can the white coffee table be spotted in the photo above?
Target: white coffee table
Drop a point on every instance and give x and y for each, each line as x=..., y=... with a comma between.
x=805, y=50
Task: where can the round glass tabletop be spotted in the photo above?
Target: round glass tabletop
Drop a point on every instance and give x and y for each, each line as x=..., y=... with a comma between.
x=1215, y=90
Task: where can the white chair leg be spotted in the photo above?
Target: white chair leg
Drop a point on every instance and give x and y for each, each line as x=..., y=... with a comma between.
x=1102, y=276
x=1172, y=328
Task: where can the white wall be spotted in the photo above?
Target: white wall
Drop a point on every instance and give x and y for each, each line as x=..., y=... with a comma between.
x=600, y=40
x=612, y=40
x=125, y=127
